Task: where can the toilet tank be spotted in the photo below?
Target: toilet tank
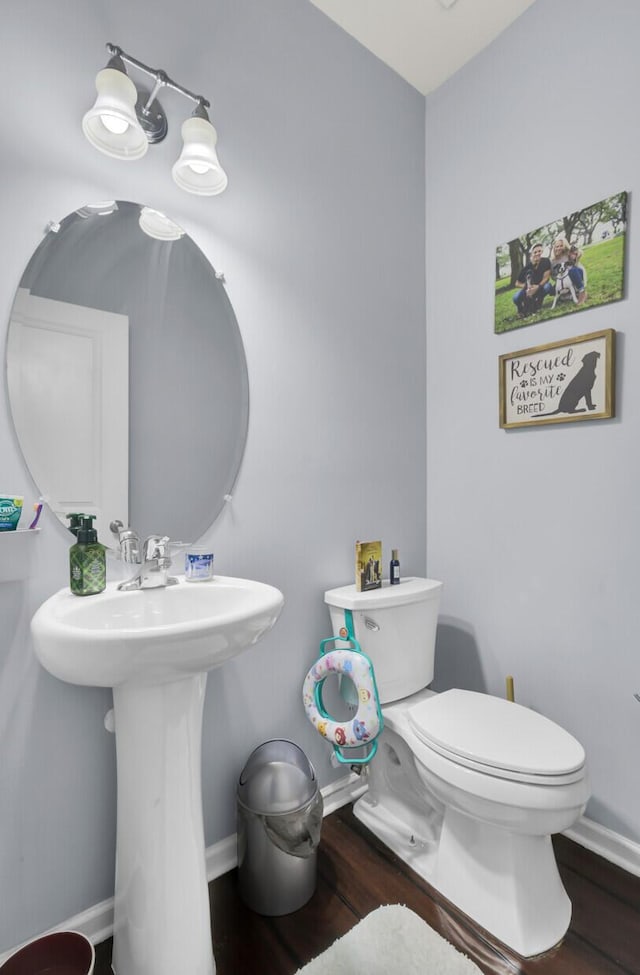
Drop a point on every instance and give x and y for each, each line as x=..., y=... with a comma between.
x=396, y=627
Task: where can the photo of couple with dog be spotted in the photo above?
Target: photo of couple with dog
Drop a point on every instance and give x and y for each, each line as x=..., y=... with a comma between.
x=563, y=266
x=556, y=275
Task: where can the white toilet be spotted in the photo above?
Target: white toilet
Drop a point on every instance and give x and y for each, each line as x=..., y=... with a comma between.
x=466, y=788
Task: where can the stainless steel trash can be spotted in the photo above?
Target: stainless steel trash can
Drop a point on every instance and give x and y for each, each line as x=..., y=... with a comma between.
x=279, y=819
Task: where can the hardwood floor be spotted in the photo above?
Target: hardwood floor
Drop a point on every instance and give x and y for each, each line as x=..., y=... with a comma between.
x=357, y=874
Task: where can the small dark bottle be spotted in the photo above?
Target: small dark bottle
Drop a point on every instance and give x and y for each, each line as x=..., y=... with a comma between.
x=394, y=568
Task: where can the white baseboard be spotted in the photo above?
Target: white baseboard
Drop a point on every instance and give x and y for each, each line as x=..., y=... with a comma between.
x=96, y=923
x=612, y=846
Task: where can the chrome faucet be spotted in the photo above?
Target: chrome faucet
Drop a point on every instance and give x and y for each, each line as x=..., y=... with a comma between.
x=128, y=542
x=152, y=557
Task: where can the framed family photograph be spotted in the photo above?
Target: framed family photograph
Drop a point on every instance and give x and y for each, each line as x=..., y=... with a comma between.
x=565, y=266
x=559, y=382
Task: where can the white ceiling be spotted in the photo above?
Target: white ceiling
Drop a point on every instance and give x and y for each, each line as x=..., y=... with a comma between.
x=424, y=41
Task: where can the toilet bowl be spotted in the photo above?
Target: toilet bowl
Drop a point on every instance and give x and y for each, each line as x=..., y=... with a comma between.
x=466, y=788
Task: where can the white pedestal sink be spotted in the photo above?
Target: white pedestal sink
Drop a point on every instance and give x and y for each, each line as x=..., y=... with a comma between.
x=154, y=647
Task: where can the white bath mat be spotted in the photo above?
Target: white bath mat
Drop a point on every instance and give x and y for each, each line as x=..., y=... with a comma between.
x=391, y=939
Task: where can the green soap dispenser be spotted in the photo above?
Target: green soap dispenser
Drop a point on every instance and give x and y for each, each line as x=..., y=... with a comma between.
x=87, y=561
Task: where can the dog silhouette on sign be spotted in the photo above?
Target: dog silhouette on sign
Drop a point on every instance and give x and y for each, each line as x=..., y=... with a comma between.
x=579, y=388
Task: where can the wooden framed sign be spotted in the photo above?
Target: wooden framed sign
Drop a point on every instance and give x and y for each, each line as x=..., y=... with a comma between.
x=559, y=382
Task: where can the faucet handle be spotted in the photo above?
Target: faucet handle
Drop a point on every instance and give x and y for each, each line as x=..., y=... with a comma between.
x=156, y=547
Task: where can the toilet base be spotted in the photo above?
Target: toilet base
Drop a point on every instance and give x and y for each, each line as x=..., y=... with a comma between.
x=508, y=883
x=403, y=834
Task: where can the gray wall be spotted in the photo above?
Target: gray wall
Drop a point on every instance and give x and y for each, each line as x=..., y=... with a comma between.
x=321, y=238
x=536, y=532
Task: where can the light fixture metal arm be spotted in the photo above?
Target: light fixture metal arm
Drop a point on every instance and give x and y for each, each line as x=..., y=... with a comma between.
x=161, y=79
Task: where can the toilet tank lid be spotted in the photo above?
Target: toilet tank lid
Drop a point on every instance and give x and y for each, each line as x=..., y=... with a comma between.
x=409, y=590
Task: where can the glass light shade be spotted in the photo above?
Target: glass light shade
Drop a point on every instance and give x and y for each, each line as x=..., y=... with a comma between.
x=157, y=225
x=112, y=125
x=102, y=208
x=198, y=169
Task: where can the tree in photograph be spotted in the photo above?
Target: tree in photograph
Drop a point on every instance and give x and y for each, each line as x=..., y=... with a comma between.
x=611, y=211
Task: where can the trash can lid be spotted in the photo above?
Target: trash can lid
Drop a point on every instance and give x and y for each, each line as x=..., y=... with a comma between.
x=278, y=778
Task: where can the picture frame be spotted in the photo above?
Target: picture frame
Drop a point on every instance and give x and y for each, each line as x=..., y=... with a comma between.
x=573, y=263
x=559, y=382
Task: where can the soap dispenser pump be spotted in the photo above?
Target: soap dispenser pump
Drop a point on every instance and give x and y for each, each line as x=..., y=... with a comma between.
x=75, y=522
x=87, y=561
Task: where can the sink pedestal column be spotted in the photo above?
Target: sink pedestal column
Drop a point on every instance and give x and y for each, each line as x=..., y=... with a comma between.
x=162, y=922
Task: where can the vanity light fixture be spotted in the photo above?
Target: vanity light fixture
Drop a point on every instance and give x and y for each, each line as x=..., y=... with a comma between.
x=127, y=118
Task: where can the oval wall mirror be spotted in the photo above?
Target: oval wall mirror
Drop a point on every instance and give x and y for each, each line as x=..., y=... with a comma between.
x=126, y=374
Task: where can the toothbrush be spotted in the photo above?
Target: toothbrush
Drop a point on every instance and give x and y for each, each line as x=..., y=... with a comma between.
x=38, y=511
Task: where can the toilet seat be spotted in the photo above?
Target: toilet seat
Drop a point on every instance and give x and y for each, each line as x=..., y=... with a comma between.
x=497, y=738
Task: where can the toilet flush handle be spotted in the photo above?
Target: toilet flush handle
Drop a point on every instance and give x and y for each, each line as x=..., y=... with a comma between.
x=371, y=624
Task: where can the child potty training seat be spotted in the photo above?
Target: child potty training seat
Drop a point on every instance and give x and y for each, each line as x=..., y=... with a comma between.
x=364, y=728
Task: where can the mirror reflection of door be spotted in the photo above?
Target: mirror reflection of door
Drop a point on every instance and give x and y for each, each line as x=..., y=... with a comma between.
x=68, y=379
